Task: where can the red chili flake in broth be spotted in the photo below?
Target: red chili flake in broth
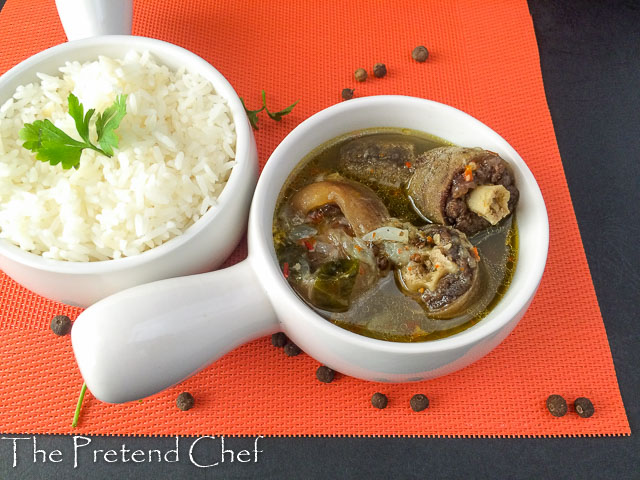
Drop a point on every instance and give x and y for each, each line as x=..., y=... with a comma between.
x=407, y=164
x=309, y=244
x=285, y=269
x=468, y=173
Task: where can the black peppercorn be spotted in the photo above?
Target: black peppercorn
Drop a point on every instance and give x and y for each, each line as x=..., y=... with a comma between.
x=419, y=402
x=556, y=405
x=185, y=401
x=583, y=407
x=325, y=374
x=291, y=349
x=347, y=93
x=379, y=400
x=61, y=325
x=420, y=54
x=279, y=339
x=379, y=70
x=361, y=74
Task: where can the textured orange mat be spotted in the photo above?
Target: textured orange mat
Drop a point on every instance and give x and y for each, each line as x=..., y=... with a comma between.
x=484, y=60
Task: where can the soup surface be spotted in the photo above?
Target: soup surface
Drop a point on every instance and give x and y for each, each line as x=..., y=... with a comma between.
x=355, y=244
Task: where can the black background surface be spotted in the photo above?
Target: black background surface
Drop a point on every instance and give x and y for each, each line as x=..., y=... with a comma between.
x=590, y=59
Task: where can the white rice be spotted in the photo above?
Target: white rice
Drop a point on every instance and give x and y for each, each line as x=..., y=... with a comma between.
x=176, y=151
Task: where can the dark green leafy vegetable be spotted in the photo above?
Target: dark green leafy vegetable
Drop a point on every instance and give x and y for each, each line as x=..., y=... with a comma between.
x=50, y=144
x=334, y=284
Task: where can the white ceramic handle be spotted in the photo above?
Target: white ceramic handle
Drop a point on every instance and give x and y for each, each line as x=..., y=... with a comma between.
x=90, y=18
x=147, y=338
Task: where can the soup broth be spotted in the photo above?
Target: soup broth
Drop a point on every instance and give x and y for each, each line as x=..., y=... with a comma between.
x=362, y=283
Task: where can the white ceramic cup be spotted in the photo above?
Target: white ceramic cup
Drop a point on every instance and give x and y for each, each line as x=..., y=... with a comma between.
x=90, y=18
x=147, y=338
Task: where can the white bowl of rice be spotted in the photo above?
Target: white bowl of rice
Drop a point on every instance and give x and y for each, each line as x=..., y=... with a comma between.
x=173, y=200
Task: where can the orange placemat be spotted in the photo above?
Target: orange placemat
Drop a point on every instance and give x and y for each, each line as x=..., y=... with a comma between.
x=484, y=60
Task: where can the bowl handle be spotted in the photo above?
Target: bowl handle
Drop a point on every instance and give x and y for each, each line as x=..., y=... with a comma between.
x=90, y=18
x=147, y=338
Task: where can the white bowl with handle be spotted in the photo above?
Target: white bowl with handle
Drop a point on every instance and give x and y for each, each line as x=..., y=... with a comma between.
x=205, y=244
x=150, y=337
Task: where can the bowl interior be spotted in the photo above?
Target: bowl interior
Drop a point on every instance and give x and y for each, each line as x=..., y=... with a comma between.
x=423, y=115
x=116, y=46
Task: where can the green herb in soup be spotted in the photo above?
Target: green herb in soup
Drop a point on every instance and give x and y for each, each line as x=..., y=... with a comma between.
x=398, y=235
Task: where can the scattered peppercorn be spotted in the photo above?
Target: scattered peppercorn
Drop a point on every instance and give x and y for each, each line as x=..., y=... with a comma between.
x=379, y=70
x=419, y=402
x=279, y=339
x=185, y=401
x=291, y=349
x=347, y=93
x=379, y=400
x=557, y=405
x=325, y=374
x=61, y=325
x=420, y=54
x=361, y=74
x=583, y=407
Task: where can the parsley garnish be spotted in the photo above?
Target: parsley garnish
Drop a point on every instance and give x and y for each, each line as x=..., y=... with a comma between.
x=252, y=114
x=50, y=144
x=277, y=116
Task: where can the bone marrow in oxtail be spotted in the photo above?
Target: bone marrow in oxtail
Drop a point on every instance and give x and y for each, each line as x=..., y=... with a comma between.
x=444, y=271
x=468, y=188
x=350, y=243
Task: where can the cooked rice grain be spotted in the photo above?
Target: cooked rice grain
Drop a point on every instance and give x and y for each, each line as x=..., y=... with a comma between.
x=176, y=151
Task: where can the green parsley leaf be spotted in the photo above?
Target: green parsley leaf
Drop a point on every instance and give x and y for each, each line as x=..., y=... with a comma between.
x=108, y=121
x=76, y=110
x=277, y=116
x=252, y=115
x=50, y=144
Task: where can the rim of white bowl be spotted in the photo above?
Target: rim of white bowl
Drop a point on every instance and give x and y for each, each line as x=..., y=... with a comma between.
x=276, y=285
x=241, y=172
